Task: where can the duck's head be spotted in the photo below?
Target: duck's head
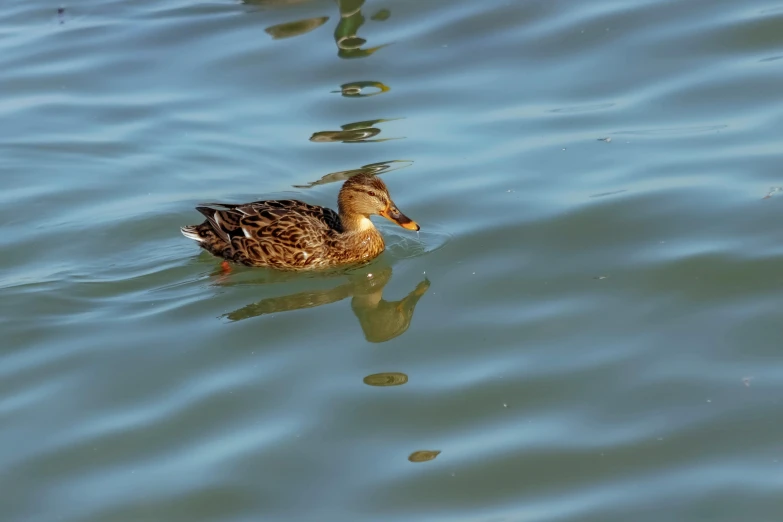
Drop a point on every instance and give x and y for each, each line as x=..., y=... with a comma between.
x=363, y=195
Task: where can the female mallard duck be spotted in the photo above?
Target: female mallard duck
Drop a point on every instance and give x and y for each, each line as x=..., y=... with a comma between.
x=292, y=235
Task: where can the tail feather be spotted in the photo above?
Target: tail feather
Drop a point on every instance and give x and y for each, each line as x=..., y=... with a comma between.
x=204, y=234
x=213, y=217
x=191, y=232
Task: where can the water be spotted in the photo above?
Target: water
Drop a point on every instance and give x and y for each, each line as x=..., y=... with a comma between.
x=587, y=328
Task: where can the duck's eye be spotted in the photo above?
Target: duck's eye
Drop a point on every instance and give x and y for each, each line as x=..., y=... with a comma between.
x=371, y=193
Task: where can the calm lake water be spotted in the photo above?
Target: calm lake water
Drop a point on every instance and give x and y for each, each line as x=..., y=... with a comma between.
x=588, y=327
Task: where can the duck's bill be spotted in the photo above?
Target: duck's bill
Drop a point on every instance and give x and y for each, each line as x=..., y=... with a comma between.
x=393, y=214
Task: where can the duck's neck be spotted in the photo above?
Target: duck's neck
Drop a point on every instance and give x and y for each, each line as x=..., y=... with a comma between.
x=360, y=233
x=356, y=223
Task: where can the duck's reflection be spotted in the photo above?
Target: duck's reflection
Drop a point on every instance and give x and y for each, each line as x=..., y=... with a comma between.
x=363, y=89
x=381, y=320
x=358, y=132
x=375, y=169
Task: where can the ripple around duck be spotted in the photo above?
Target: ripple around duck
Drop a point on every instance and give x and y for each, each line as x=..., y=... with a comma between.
x=403, y=245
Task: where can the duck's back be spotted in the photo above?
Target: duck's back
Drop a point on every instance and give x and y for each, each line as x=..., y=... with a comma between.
x=265, y=213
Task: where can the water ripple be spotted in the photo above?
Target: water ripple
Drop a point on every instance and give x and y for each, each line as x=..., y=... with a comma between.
x=585, y=329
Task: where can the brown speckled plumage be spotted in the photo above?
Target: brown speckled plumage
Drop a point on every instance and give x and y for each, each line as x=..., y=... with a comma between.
x=293, y=235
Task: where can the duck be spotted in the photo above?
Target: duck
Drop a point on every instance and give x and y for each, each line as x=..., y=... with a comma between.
x=290, y=234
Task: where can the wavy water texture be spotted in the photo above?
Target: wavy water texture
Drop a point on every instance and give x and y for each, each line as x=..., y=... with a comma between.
x=586, y=328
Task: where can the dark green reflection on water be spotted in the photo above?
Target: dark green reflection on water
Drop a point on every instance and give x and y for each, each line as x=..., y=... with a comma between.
x=380, y=320
x=299, y=27
x=381, y=16
x=423, y=455
x=357, y=132
x=360, y=89
x=349, y=44
x=375, y=169
x=386, y=379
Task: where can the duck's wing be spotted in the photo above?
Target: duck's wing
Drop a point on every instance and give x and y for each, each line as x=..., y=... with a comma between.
x=292, y=241
x=279, y=233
